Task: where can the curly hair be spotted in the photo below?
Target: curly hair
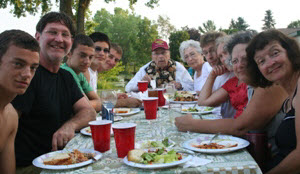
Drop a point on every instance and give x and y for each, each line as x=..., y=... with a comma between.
x=259, y=42
x=189, y=43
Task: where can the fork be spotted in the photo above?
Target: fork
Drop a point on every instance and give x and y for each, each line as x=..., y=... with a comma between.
x=214, y=137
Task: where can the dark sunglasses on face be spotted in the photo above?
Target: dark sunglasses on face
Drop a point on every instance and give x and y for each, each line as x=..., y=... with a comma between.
x=98, y=49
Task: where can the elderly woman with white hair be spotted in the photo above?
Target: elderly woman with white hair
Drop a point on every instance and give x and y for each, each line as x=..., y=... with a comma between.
x=191, y=53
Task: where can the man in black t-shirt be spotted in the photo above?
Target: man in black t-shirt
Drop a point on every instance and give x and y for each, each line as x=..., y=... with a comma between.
x=53, y=107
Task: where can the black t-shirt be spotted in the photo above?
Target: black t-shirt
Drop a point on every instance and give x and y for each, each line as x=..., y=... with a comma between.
x=45, y=106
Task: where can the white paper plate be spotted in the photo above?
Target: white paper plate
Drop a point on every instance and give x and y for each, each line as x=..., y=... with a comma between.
x=222, y=139
x=201, y=109
x=132, y=111
x=156, y=166
x=38, y=162
x=183, y=102
x=139, y=144
x=85, y=131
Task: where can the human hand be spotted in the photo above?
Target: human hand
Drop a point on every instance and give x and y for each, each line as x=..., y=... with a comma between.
x=184, y=123
x=62, y=136
x=218, y=70
x=146, y=78
x=129, y=102
x=178, y=85
x=122, y=95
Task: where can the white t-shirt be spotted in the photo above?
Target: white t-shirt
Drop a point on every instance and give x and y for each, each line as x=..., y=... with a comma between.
x=200, y=81
x=93, y=79
x=182, y=76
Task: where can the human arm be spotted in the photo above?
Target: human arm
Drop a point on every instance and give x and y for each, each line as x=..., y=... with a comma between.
x=83, y=114
x=87, y=75
x=132, y=85
x=128, y=102
x=7, y=154
x=209, y=98
x=253, y=117
x=183, y=79
x=291, y=163
x=94, y=100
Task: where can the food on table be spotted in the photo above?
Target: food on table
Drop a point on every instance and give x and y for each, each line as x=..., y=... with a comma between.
x=214, y=146
x=184, y=96
x=68, y=158
x=88, y=130
x=151, y=144
x=194, y=109
x=153, y=156
x=190, y=109
x=121, y=110
x=208, y=109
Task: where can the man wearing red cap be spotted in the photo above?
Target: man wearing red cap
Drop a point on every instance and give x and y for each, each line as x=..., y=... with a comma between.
x=162, y=69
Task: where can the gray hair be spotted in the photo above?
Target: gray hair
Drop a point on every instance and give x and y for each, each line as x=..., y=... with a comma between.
x=189, y=43
x=221, y=40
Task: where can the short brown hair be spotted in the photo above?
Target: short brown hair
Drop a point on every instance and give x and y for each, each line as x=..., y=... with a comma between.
x=18, y=38
x=259, y=42
x=117, y=47
x=210, y=37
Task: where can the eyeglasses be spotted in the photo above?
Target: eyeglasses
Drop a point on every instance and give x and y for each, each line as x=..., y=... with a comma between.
x=98, y=49
x=55, y=33
x=210, y=51
x=192, y=55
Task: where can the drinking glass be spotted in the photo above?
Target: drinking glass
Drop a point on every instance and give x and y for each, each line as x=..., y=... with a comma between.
x=109, y=100
x=168, y=94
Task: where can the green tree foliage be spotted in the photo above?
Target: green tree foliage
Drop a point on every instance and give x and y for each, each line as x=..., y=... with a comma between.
x=238, y=25
x=294, y=24
x=269, y=21
x=175, y=39
x=80, y=7
x=207, y=27
x=134, y=34
x=164, y=27
x=194, y=33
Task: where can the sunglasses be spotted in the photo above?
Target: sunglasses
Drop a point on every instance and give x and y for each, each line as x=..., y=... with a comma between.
x=98, y=49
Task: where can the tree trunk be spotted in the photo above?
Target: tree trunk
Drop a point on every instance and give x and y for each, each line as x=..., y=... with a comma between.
x=66, y=7
x=82, y=6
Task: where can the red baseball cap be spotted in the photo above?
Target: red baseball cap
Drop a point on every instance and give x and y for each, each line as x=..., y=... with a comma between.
x=159, y=43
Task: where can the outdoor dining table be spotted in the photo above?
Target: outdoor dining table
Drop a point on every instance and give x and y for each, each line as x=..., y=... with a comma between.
x=236, y=162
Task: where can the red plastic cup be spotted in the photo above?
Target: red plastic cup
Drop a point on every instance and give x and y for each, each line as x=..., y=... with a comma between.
x=101, y=134
x=143, y=86
x=124, y=134
x=161, y=98
x=150, y=107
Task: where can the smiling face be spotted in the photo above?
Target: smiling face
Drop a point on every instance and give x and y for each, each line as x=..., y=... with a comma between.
x=17, y=68
x=55, y=42
x=210, y=54
x=273, y=62
x=193, y=58
x=161, y=57
x=223, y=56
x=239, y=61
x=81, y=57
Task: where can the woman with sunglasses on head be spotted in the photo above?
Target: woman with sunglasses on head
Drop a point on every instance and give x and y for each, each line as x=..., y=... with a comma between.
x=275, y=58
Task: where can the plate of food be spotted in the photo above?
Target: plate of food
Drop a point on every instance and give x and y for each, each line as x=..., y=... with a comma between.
x=126, y=111
x=66, y=159
x=154, y=159
x=196, y=109
x=184, y=97
x=148, y=144
x=87, y=131
x=222, y=144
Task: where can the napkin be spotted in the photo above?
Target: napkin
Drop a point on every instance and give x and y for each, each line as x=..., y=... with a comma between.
x=196, y=161
x=139, y=95
x=153, y=84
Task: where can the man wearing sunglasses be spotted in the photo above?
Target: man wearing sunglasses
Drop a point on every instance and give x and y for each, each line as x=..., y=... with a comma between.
x=102, y=47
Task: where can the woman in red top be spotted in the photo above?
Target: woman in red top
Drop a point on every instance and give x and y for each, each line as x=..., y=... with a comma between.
x=235, y=88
